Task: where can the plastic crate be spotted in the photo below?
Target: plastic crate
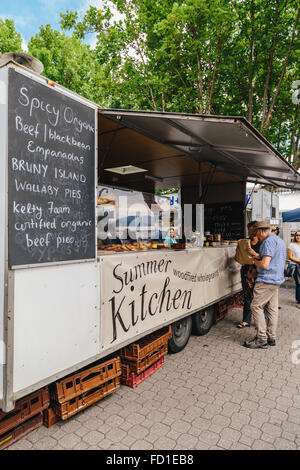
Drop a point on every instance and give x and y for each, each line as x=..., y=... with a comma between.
x=76, y=404
x=85, y=380
x=20, y=431
x=138, y=366
x=134, y=380
x=144, y=347
x=25, y=408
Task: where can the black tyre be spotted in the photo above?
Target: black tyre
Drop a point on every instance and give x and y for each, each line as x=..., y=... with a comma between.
x=203, y=321
x=181, y=332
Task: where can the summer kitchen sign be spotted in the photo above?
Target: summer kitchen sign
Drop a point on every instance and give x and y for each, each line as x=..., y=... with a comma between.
x=147, y=290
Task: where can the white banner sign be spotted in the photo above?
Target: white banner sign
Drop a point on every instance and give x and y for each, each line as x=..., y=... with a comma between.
x=143, y=291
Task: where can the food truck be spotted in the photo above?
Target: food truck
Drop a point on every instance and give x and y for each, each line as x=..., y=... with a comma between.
x=70, y=296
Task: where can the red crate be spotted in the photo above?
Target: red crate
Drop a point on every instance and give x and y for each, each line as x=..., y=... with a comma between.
x=85, y=380
x=134, y=380
x=76, y=404
x=20, y=431
x=25, y=408
x=50, y=417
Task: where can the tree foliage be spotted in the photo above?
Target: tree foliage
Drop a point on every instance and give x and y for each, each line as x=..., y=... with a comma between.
x=227, y=57
x=223, y=57
x=10, y=39
x=67, y=61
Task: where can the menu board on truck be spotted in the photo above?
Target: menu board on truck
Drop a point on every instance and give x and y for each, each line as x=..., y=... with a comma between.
x=51, y=174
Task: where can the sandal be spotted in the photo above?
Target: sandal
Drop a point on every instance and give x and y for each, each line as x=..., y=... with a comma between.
x=242, y=324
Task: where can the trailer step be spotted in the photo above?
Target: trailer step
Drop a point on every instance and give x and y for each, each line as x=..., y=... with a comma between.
x=76, y=404
x=25, y=408
x=20, y=431
x=134, y=380
x=87, y=379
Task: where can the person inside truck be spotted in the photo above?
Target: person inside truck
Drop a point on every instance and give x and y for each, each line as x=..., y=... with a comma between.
x=248, y=276
x=170, y=239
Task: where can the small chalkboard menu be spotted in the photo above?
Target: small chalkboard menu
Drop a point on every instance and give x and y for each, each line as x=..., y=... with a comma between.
x=51, y=174
x=226, y=219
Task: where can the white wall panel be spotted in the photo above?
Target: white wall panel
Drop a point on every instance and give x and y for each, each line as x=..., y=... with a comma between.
x=56, y=320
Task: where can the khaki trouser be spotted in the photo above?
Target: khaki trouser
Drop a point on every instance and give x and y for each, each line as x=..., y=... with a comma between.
x=265, y=295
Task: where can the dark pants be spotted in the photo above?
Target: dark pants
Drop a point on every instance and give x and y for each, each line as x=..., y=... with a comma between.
x=247, y=314
x=297, y=286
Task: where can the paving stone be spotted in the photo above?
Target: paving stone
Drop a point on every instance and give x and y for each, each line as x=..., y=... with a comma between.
x=141, y=445
x=46, y=443
x=93, y=437
x=262, y=445
x=186, y=441
x=272, y=429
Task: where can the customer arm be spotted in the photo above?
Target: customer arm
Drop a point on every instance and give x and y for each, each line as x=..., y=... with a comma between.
x=262, y=263
x=292, y=257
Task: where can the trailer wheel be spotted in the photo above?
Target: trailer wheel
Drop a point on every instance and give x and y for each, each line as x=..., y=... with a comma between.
x=181, y=332
x=203, y=320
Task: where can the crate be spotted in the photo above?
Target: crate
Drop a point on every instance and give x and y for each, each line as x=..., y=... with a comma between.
x=20, y=431
x=134, y=380
x=25, y=408
x=146, y=346
x=50, y=417
x=76, y=404
x=138, y=366
x=89, y=378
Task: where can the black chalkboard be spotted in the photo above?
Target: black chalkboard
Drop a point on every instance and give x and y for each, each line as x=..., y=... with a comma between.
x=226, y=219
x=51, y=174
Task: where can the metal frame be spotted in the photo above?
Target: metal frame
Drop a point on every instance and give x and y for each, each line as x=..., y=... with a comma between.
x=190, y=149
x=9, y=397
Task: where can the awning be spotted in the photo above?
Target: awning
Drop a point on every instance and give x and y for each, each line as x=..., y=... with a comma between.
x=291, y=216
x=182, y=146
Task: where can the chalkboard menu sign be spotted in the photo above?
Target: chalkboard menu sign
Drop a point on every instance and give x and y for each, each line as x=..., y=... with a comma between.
x=226, y=219
x=51, y=174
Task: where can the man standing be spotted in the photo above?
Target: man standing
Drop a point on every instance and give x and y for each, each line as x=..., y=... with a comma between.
x=270, y=263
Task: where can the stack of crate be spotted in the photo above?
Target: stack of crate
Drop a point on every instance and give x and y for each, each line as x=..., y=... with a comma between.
x=141, y=359
x=80, y=390
x=24, y=418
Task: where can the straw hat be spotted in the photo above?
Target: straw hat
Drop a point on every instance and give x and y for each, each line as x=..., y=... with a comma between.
x=261, y=225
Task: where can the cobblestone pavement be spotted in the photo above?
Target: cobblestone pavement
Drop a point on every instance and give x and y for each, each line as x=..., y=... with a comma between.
x=215, y=394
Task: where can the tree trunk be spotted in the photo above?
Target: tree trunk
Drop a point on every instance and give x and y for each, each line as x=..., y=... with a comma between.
x=271, y=110
x=212, y=88
x=251, y=71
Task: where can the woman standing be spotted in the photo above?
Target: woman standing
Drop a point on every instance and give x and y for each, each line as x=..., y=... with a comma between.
x=294, y=257
x=248, y=276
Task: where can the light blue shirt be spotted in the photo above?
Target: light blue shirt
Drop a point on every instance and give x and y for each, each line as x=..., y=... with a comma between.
x=168, y=239
x=274, y=247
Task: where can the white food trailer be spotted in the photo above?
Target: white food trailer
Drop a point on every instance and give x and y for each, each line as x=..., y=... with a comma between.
x=63, y=303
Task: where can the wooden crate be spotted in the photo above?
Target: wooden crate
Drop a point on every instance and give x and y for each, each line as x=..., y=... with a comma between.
x=25, y=408
x=76, y=404
x=20, y=431
x=50, y=417
x=137, y=366
x=89, y=378
x=146, y=346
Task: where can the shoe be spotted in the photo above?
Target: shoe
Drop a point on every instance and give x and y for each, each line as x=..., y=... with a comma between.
x=271, y=342
x=242, y=324
x=256, y=343
x=298, y=305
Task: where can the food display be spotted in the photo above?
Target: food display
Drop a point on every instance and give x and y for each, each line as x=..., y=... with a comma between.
x=128, y=247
